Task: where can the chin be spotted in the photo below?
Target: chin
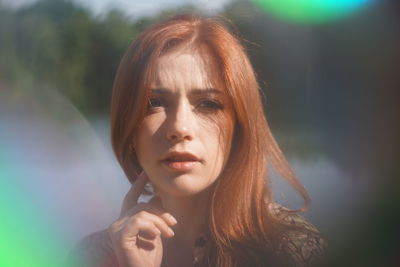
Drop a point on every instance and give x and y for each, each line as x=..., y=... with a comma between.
x=184, y=186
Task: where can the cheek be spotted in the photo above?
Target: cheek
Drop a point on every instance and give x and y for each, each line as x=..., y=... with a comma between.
x=218, y=139
x=152, y=123
x=146, y=140
x=148, y=129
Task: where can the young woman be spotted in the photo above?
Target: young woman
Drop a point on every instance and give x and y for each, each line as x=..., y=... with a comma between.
x=188, y=119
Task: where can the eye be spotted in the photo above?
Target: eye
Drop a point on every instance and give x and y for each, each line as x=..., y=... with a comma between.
x=155, y=102
x=210, y=104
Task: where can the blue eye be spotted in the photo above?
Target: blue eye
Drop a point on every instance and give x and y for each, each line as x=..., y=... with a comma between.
x=211, y=105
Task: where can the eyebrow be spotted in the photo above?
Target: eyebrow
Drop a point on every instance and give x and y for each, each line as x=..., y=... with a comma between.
x=205, y=91
x=197, y=91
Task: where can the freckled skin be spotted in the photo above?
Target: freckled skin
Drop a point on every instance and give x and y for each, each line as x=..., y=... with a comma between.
x=180, y=120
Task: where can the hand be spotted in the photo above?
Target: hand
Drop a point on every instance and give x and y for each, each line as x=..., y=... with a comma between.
x=136, y=235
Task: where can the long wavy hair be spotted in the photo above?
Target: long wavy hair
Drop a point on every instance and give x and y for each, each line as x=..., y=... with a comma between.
x=240, y=221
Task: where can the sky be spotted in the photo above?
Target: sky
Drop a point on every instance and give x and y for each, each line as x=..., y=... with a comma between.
x=135, y=7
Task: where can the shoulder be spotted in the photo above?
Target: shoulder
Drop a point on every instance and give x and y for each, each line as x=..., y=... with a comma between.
x=298, y=240
x=93, y=250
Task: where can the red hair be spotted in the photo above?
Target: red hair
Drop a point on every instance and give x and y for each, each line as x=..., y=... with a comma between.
x=240, y=222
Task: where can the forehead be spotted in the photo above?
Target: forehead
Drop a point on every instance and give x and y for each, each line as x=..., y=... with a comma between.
x=186, y=69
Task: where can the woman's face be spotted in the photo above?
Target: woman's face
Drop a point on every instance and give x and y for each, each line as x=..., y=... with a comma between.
x=184, y=140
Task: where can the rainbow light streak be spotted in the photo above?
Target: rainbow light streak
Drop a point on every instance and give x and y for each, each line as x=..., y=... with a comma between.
x=27, y=237
x=310, y=11
x=58, y=182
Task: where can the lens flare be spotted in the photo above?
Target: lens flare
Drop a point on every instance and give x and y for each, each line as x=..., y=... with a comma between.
x=27, y=238
x=58, y=181
x=310, y=11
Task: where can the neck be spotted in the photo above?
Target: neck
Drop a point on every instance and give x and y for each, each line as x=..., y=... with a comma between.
x=191, y=213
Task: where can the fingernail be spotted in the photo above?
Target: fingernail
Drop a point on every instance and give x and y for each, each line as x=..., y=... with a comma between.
x=172, y=219
x=171, y=232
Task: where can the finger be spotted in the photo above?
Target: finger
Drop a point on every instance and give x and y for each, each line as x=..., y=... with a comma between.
x=159, y=222
x=145, y=244
x=140, y=222
x=131, y=198
x=128, y=236
x=155, y=206
x=117, y=225
x=131, y=225
x=157, y=210
x=140, y=226
x=162, y=219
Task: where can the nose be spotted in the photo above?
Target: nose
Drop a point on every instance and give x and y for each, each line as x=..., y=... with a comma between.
x=181, y=123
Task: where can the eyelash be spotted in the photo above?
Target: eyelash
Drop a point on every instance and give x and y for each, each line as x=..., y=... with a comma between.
x=205, y=104
x=211, y=104
x=152, y=100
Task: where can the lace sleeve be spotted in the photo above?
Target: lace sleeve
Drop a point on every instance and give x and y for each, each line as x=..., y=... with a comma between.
x=298, y=241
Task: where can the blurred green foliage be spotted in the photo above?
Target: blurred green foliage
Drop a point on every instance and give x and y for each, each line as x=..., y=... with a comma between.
x=60, y=45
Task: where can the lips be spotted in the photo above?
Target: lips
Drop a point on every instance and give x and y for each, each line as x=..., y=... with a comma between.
x=180, y=161
x=180, y=157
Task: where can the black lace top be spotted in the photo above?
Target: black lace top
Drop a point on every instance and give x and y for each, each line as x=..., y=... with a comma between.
x=300, y=244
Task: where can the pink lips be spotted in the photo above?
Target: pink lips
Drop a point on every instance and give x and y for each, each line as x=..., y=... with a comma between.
x=180, y=161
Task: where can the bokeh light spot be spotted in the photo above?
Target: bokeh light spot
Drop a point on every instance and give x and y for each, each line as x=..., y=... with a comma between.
x=310, y=11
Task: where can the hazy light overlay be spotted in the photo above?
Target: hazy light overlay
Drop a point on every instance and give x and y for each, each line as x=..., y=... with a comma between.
x=24, y=228
x=328, y=74
x=58, y=181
